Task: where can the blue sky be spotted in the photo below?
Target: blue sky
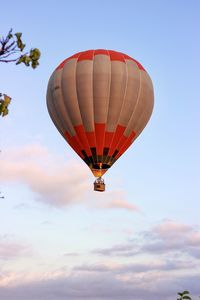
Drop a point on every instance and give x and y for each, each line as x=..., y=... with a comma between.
x=141, y=238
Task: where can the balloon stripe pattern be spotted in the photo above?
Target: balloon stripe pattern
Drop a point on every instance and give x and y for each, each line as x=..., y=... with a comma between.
x=100, y=101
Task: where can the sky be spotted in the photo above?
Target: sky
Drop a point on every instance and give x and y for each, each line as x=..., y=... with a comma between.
x=141, y=238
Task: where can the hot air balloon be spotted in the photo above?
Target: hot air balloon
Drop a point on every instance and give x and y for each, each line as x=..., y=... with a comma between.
x=100, y=101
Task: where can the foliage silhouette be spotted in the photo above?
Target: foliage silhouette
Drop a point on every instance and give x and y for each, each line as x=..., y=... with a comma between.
x=12, y=50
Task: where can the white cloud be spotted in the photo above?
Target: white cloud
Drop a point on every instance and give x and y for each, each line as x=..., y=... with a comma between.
x=11, y=248
x=98, y=285
x=156, y=277
x=126, y=249
x=160, y=265
x=166, y=238
x=171, y=236
x=56, y=181
x=114, y=200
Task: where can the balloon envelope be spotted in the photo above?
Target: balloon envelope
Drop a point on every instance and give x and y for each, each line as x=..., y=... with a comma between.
x=100, y=101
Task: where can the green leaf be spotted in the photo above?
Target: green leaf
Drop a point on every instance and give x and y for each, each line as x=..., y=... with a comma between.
x=5, y=112
x=20, y=60
x=20, y=44
x=7, y=99
x=18, y=35
x=35, y=54
x=34, y=64
x=24, y=59
x=27, y=60
x=4, y=105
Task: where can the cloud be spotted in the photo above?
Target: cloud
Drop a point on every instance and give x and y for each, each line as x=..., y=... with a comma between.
x=99, y=286
x=136, y=267
x=170, y=236
x=46, y=175
x=127, y=249
x=166, y=238
x=56, y=181
x=114, y=200
x=10, y=248
x=135, y=277
x=67, y=254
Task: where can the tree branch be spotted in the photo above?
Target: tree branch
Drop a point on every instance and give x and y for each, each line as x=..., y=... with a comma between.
x=7, y=61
